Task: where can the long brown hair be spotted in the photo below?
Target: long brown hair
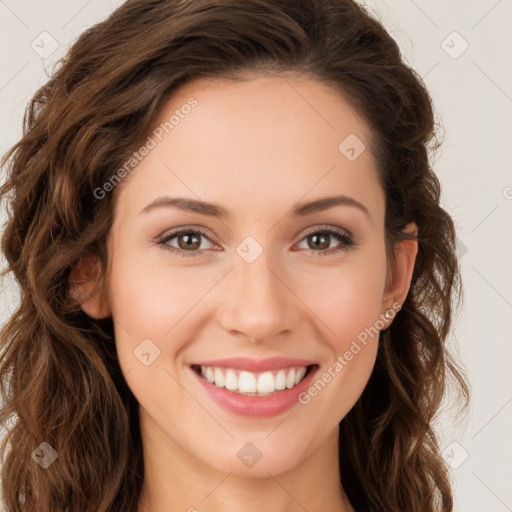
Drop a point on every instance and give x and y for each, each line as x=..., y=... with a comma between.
x=60, y=379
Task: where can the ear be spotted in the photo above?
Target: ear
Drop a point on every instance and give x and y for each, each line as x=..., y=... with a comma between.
x=399, y=281
x=86, y=286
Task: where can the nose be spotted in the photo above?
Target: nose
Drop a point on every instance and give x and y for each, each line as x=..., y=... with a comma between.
x=259, y=303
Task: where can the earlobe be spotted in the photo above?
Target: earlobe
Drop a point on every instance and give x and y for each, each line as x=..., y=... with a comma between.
x=398, y=284
x=86, y=287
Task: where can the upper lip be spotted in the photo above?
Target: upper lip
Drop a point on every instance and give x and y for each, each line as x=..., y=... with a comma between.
x=255, y=365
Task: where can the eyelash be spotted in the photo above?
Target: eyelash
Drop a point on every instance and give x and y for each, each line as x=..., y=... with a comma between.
x=342, y=236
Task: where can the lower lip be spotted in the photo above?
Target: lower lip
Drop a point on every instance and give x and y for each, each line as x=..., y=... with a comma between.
x=256, y=406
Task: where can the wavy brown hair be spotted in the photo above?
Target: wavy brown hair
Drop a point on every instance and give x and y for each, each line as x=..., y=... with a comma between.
x=60, y=379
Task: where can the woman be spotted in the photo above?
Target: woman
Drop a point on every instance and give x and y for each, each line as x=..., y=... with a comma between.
x=236, y=278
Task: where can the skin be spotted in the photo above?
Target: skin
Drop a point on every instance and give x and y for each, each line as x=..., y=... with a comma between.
x=256, y=148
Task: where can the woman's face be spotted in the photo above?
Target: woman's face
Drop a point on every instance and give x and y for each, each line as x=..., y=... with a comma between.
x=254, y=286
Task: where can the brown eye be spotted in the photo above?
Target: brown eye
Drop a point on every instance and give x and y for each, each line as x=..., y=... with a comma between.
x=320, y=241
x=186, y=242
x=189, y=241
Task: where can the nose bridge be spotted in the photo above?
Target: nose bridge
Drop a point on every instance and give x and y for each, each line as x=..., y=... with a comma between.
x=259, y=304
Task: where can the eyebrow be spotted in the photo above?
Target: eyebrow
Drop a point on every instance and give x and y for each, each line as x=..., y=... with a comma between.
x=215, y=210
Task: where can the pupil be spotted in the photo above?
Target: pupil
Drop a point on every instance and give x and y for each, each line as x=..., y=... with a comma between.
x=316, y=237
x=189, y=244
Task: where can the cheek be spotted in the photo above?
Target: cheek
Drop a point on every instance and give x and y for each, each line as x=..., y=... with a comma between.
x=151, y=301
x=351, y=312
x=150, y=298
x=348, y=302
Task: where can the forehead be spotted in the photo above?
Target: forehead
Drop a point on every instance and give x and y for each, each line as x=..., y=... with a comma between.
x=254, y=144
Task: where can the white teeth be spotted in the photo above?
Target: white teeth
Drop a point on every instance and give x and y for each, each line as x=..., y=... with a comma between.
x=219, y=378
x=266, y=383
x=210, y=374
x=280, y=380
x=299, y=375
x=290, y=379
x=231, y=381
x=253, y=384
x=246, y=382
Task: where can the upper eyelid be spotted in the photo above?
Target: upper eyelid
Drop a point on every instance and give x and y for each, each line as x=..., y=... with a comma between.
x=180, y=231
x=326, y=227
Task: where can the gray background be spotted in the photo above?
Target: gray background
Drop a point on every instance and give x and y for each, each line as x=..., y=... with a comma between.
x=472, y=92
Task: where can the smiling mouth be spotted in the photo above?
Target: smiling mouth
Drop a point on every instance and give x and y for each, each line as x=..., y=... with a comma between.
x=251, y=383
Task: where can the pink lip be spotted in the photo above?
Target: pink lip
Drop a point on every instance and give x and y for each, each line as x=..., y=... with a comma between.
x=255, y=365
x=256, y=406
